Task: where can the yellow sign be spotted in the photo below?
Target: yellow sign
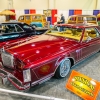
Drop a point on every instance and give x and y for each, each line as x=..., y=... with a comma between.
x=83, y=86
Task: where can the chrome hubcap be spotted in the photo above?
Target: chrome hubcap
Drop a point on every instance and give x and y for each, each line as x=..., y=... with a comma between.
x=65, y=67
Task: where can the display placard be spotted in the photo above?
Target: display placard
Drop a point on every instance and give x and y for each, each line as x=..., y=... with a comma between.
x=85, y=87
x=47, y=13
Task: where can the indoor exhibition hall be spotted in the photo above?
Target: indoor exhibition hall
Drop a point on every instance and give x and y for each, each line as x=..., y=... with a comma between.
x=49, y=49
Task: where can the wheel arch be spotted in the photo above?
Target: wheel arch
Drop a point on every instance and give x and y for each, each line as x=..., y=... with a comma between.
x=59, y=60
x=72, y=61
x=37, y=24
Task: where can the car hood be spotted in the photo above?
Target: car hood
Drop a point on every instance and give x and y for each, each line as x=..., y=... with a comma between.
x=39, y=47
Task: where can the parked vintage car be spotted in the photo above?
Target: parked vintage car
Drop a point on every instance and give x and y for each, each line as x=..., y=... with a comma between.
x=33, y=61
x=74, y=19
x=13, y=31
x=36, y=20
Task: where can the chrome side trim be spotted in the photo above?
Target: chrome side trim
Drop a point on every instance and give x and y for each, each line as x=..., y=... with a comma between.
x=84, y=58
x=42, y=64
x=42, y=80
x=9, y=75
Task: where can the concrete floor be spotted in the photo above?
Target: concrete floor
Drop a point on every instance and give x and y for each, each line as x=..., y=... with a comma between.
x=56, y=87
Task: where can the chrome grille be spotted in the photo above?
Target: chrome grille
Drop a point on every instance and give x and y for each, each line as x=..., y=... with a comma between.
x=7, y=59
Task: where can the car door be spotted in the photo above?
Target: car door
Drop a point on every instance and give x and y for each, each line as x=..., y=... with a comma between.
x=28, y=19
x=72, y=20
x=91, y=42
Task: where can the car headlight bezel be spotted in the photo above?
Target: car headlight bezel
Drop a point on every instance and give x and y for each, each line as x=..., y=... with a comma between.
x=27, y=75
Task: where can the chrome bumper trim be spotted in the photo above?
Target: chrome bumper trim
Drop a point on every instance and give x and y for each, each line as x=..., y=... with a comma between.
x=6, y=76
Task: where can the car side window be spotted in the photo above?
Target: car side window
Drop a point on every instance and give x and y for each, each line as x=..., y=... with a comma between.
x=80, y=18
x=18, y=28
x=90, y=33
x=73, y=18
x=33, y=17
x=9, y=28
x=91, y=18
x=39, y=17
x=27, y=18
x=21, y=18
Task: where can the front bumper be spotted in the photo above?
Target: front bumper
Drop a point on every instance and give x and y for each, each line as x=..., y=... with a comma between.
x=6, y=76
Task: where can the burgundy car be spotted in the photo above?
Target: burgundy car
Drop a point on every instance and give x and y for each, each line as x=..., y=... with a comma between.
x=35, y=60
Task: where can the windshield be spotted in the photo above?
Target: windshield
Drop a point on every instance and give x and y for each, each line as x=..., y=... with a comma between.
x=68, y=32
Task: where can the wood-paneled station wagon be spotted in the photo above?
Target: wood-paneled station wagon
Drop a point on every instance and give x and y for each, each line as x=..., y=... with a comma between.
x=74, y=19
x=30, y=62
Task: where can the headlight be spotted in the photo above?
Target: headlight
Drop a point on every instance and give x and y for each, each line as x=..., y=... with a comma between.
x=27, y=75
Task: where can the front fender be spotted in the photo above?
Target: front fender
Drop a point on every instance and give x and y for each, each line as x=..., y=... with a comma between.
x=37, y=24
x=59, y=60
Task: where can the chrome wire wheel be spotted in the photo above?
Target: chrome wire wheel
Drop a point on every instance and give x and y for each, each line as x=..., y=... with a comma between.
x=65, y=67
